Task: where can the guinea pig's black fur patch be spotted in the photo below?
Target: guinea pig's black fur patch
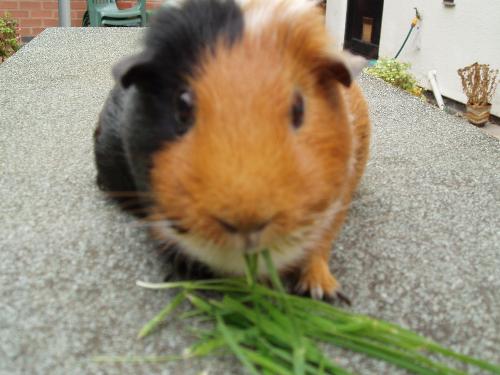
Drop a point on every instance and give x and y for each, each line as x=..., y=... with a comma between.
x=139, y=115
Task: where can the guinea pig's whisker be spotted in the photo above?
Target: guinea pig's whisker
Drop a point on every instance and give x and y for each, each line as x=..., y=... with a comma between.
x=140, y=224
x=137, y=211
x=148, y=222
x=379, y=219
x=126, y=194
x=363, y=199
x=284, y=243
x=174, y=224
x=172, y=219
x=153, y=223
x=168, y=244
x=179, y=229
x=134, y=204
x=296, y=238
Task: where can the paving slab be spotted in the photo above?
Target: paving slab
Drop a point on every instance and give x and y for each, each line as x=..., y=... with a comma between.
x=421, y=246
x=492, y=129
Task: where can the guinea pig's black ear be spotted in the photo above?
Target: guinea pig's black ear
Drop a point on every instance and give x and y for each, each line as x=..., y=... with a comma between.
x=136, y=70
x=342, y=67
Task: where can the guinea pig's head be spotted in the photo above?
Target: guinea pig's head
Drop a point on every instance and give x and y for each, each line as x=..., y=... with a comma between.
x=252, y=137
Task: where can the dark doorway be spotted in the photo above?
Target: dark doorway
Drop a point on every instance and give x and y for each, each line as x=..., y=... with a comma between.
x=363, y=24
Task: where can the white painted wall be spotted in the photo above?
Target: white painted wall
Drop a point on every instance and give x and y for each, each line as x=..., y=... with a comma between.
x=336, y=12
x=447, y=39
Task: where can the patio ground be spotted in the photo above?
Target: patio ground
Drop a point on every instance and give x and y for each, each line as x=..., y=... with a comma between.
x=420, y=248
x=492, y=130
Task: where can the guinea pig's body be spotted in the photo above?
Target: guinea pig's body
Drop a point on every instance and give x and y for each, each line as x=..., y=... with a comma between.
x=239, y=130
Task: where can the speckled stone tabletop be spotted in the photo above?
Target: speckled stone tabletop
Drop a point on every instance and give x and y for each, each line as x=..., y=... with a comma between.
x=421, y=246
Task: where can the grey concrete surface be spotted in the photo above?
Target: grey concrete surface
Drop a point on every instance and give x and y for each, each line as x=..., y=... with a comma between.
x=421, y=246
x=492, y=130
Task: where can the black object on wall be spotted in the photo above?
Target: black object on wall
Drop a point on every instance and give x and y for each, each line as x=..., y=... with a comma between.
x=363, y=25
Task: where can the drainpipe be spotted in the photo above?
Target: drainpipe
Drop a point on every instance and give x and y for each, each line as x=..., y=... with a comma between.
x=64, y=13
x=432, y=75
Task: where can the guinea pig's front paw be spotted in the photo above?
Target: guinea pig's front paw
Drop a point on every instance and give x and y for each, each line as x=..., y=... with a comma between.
x=318, y=282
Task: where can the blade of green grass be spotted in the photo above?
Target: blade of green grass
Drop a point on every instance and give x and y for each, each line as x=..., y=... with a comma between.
x=199, y=303
x=314, y=323
x=267, y=327
x=273, y=274
x=206, y=347
x=390, y=328
x=251, y=261
x=137, y=359
x=435, y=348
x=208, y=285
x=233, y=345
x=153, y=323
x=278, y=351
x=266, y=363
x=393, y=356
x=298, y=345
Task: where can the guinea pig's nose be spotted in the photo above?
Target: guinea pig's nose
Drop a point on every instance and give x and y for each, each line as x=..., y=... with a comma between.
x=242, y=227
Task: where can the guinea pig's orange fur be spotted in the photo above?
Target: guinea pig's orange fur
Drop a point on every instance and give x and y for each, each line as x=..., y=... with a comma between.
x=243, y=161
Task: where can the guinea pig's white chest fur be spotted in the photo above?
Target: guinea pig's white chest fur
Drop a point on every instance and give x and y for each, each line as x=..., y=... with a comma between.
x=244, y=131
x=287, y=250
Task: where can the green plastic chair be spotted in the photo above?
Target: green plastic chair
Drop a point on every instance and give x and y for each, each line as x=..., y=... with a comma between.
x=106, y=13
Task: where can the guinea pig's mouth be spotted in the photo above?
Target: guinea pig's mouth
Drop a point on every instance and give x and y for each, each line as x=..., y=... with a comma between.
x=256, y=250
x=178, y=228
x=224, y=252
x=250, y=243
x=222, y=236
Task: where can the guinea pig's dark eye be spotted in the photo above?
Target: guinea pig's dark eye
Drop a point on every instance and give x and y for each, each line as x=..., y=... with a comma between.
x=184, y=111
x=297, y=110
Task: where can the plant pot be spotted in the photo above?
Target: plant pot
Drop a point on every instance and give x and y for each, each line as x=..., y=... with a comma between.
x=478, y=114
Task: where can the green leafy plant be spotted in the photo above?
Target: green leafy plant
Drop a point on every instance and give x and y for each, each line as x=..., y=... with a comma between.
x=10, y=40
x=272, y=332
x=396, y=73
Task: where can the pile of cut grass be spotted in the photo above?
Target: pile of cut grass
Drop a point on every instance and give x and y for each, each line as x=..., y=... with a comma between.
x=272, y=332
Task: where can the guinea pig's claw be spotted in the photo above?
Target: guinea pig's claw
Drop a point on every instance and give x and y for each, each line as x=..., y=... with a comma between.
x=337, y=296
x=342, y=298
x=318, y=293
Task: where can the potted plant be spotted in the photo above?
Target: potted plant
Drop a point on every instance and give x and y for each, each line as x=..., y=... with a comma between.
x=479, y=83
x=9, y=39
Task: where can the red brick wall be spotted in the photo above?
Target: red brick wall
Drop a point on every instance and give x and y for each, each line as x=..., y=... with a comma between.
x=35, y=15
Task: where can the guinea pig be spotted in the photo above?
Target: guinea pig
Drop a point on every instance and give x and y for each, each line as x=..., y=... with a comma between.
x=239, y=128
